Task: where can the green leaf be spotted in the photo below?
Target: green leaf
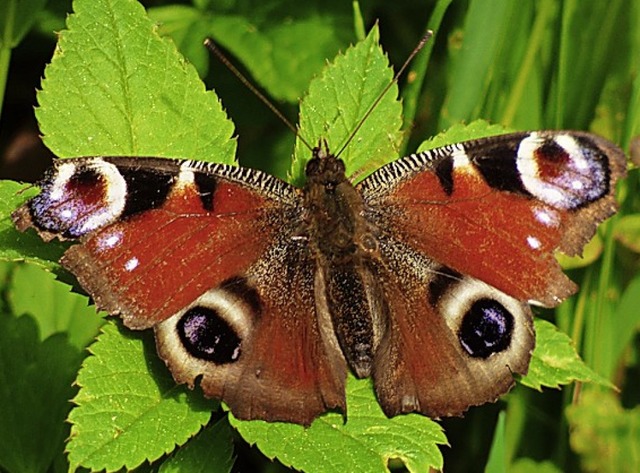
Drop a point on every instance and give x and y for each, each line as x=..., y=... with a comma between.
x=34, y=291
x=606, y=436
x=211, y=451
x=461, y=132
x=338, y=101
x=35, y=387
x=555, y=361
x=129, y=409
x=187, y=27
x=366, y=442
x=114, y=87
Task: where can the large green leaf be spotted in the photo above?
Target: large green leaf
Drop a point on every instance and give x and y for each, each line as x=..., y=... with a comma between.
x=114, y=87
x=35, y=291
x=338, y=101
x=129, y=409
x=35, y=387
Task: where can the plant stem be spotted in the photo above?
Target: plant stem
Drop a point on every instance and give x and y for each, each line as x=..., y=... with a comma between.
x=418, y=71
x=5, y=49
x=545, y=14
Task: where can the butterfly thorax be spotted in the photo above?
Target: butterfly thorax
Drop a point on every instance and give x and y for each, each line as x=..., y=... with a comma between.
x=335, y=209
x=344, y=248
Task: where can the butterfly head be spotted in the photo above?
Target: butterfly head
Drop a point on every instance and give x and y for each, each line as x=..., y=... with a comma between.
x=325, y=168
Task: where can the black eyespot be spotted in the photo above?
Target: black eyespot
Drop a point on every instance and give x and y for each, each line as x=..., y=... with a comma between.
x=486, y=328
x=208, y=336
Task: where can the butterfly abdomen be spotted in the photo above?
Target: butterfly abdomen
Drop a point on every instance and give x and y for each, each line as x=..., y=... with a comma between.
x=357, y=309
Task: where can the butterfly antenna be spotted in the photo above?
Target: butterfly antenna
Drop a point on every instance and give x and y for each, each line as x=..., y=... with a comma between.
x=373, y=106
x=211, y=46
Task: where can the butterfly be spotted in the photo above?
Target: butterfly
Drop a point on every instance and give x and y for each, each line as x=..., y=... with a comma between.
x=420, y=276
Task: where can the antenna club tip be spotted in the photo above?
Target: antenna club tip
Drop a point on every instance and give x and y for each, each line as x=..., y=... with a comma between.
x=427, y=36
x=209, y=44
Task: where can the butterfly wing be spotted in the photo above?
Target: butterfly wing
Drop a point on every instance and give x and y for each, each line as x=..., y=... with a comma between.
x=452, y=341
x=289, y=368
x=466, y=237
x=206, y=254
x=498, y=208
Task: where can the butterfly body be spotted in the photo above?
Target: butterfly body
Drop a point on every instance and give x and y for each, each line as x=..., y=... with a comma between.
x=419, y=276
x=344, y=246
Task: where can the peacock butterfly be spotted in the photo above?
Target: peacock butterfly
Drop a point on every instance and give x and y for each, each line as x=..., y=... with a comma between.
x=419, y=276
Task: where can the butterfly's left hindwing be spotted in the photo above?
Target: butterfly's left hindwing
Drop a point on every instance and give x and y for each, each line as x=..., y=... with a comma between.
x=285, y=366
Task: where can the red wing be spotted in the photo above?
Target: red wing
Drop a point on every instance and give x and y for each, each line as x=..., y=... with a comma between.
x=155, y=234
x=284, y=365
x=452, y=341
x=498, y=208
